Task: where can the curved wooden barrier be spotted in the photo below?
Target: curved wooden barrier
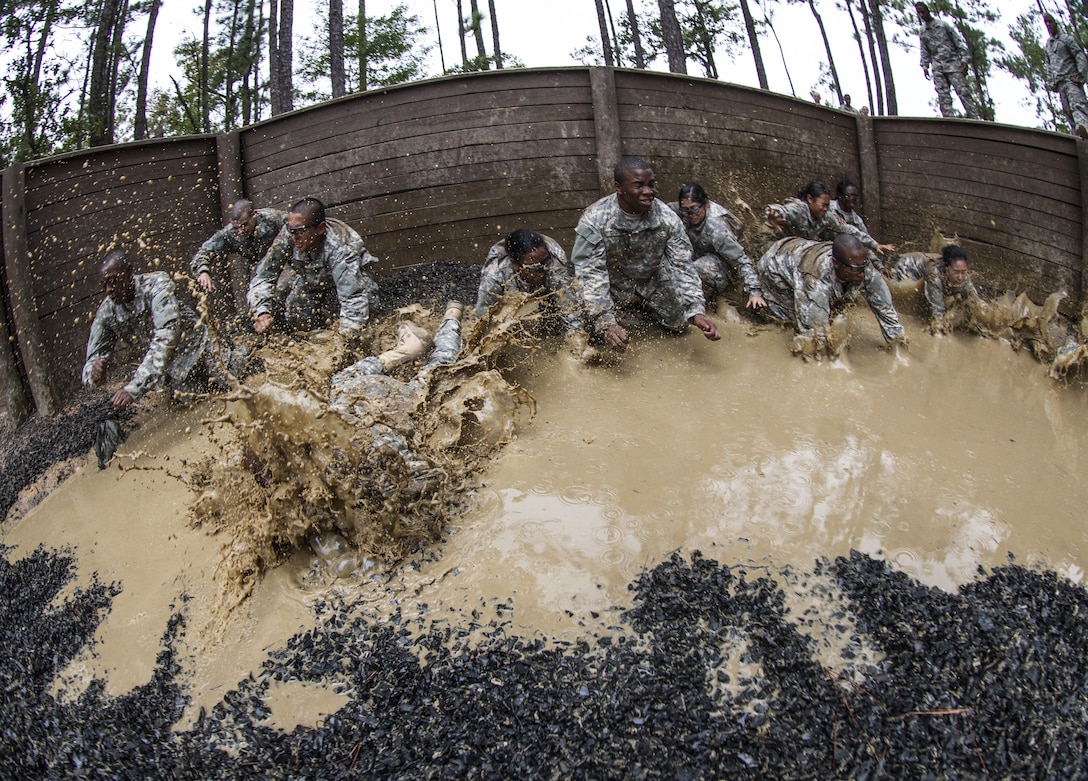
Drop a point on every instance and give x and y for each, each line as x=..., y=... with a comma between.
x=442, y=168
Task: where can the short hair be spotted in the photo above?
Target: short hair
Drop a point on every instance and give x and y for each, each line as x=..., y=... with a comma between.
x=116, y=259
x=312, y=209
x=843, y=243
x=241, y=209
x=813, y=189
x=951, y=253
x=840, y=188
x=521, y=242
x=629, y=164
x=921, y=7
x=693, y=191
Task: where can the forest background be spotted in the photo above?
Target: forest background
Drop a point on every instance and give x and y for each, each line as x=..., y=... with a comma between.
x=82, y=73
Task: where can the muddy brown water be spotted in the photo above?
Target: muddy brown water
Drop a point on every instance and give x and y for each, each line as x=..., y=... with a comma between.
x=940, y=459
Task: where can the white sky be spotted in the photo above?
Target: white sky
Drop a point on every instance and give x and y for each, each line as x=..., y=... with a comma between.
x=545, y=34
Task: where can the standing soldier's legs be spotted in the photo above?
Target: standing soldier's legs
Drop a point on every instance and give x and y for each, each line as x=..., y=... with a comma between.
x=944, y=94
x=1076, y=105
x=963, y=89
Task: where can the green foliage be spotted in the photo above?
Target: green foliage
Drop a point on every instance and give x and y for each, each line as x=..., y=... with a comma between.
x=706, y=26
x=1030, y=66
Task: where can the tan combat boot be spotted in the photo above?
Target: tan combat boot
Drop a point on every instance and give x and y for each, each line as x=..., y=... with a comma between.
x=412, y=342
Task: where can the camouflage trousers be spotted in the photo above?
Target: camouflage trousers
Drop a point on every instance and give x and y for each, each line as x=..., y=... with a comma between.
x=943, y=81
x=1075, y=103
x=716, y=276
x=657, y=295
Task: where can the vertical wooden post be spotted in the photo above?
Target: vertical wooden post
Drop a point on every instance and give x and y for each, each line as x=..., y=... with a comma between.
x=14, y=404
x=228, y=152
x=24, y=310
x=870, y=174
x=606, y=124
x=1082, y=169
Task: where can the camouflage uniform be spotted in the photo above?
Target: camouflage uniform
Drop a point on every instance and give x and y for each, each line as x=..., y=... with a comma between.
x=622, y=260
x=939, y=295
x=499, y=277
x=334, y=271
x=945, y=55
x=155, y=322
x=799, y=223
x=801, y=287
x=720, y=260
x=227, y=241
x=1065, y=61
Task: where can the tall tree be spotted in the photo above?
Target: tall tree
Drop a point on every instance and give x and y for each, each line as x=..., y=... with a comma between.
x=106, y=56
x=836, y=86
x=139, y=125
x=636, y=37
x=873, y=87
x=462, y=33
x=438, y=33
x=205, y=70
x=495, y=34
x=606, y=39
x=280, y=55
x=753, y=42
x=674, y=39
x=477, y=27
x=336, y=48
x=1029, y=65
x=876, y=17
x=362, y=47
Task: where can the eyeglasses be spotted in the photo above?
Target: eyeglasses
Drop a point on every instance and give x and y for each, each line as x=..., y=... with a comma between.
x=687, y=211
x=295, y=230
x=849, y=197
x=851, y=266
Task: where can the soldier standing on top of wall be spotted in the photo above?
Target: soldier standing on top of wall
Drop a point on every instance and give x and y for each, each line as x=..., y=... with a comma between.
x=945, y=52
x=1066, y=70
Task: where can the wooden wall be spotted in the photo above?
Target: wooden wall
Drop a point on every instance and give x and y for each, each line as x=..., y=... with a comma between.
x=444, y=168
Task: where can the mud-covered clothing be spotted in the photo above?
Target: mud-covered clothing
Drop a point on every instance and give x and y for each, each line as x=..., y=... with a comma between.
x=227, y=241
x=801, y=287
x=945, y=54
x=1066, y=72
x=719, y=258
x=621, y=260
x=940, y=295
x=800, y=223
x=499, y=277
x=334, y=269
x=156, y=324
x=853, y=219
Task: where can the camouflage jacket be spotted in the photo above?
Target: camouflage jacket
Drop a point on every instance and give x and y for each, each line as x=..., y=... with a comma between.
x=799, y=281
x=499, y=277
x=716, y=236
x=226, y=241
x=943, y=49
x=799, y=223
x=854, y=220
x=1065, y=60
x=613, y=253
x=939, y=294
x=155, y=323
x=341, y=259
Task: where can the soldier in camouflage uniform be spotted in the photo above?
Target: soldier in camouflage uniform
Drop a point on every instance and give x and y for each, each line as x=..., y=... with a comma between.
x=806, y=217
x=944, y=51
x=720, y=260
x=250, y=234
x=632, y=250
x=946, y=280
x=529, y=262
x=329, y=261
x=142, y=312
x=804, y=280
x=1066, y=69
x=842, y=210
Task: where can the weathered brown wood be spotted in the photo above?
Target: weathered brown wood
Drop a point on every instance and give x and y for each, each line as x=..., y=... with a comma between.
x=21, y=294
x=14, y=395
x=869, y=170
x=1082, y=170
x=606, y=126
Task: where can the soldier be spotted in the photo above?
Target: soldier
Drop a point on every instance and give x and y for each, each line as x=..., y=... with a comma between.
x=847, y=105
x=1066, y=70
x=944, y=50
x=632, y=250
x=329, y=261
x=842, y=210
x=142, y=311
x=946, y=280
x=803, y=280
x=250, y=234
x=720, y=260
x=529, y=262
x=806, y=216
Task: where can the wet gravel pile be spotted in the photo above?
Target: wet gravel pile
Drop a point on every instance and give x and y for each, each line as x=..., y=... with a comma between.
x=988, y=683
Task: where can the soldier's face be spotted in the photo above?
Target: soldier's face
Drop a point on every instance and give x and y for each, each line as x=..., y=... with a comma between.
x=533, y=266
x=956, y=272
x=850, y=269
x=245, y=227
x=692, y=212
x=850, y=198
x=819, y=206
x=923, y=13
x=637, y=191
x=119, y=284
x=1051, y=25
x=306, y=235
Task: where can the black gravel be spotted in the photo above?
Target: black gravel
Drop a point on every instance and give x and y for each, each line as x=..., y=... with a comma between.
x=988, y=683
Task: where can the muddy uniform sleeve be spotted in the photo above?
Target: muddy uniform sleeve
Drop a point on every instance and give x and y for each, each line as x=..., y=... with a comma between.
x=354, y=286
x=101, y=341
x=262, y=287
x=934, y=289
x=561, y=281
x=876, y=292
x=166, y=320
x=591, y=271
x=492, y=286
x=727, y=248
x=797, y=216
x=813, y=298
x=217, y=247
x=678, y=257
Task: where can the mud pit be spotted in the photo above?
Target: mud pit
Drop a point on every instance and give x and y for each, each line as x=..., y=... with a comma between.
x=504, y=648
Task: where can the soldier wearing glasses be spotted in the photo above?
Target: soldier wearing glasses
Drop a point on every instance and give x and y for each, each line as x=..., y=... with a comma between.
x=844, y=210
x=804, y=280
x=720, y=260
x=329, y=261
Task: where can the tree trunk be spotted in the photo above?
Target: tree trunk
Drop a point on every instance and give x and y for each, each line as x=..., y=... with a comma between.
x=32, y=109
x=636, y=38
x=139, y=128
x=827, y=48
x=99, y=97
x=706, y=43
x=363, y=60
x=870, y=37
x=606, y=39
x=478, y=32
x=286, y=49
x=753, y=41
x=438, y=33
x=672, y=37
x=782, y=54
x=336, y=48
x=885, y=57
x=274, y=88
x=495, y=35
x=462, y=32
x=861, y=52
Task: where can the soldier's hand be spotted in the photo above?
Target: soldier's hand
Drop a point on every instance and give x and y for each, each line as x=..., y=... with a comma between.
x=755, y=302
x=777, y=221
x=706, y=325
x=121, y=399
x=925, y=72
x=885, y=249
x=616, y=338
x=965, y=69
x=98, y=370
x=262, y=323
x=204, y=279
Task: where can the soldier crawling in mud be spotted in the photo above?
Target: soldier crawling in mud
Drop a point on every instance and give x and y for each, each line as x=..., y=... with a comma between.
x=720, y=260
x=844, y=210
x=946, y=280
x=808, y=216
x=945, y=53
x=804, y=280
x=142, y=311
x=250, y=235
x=631, y=250
x=329, y=261
x=529, y=262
